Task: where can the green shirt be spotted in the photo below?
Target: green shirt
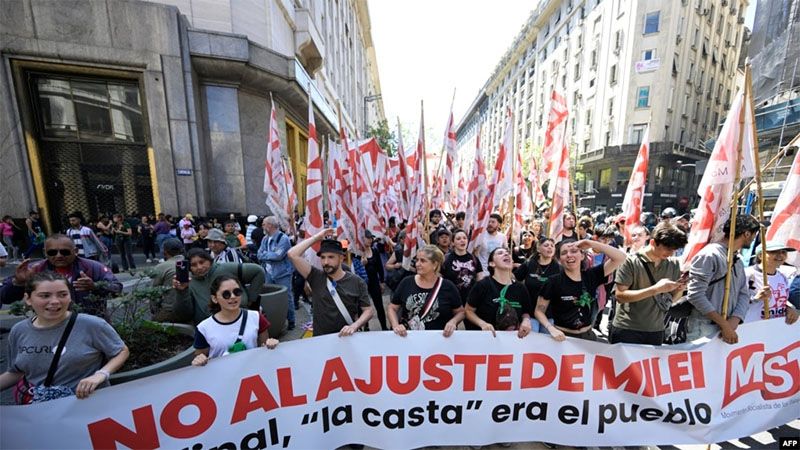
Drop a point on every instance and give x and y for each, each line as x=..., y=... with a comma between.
x=644, y=315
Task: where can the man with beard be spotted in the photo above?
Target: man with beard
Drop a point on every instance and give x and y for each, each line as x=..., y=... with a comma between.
x=84, y=276
x=491, y=239
x=340, y=300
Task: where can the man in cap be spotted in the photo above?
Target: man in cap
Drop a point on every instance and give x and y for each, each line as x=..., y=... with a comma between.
x=777, y=291
x=340, y=300
x=219, y=248
x=163, y=273
x=272, y=255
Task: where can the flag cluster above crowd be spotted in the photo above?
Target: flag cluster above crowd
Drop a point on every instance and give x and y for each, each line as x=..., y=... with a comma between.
x=366, y=187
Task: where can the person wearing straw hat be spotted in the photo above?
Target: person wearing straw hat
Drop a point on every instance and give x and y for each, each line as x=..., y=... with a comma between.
x=219, y=248
x=777, y=292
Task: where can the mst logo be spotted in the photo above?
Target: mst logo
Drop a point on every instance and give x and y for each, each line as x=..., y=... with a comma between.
x=776, y=375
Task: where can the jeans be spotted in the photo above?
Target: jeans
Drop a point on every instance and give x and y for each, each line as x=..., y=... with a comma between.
x=125, y=249
x=285, y=281
x=33, y=247
x=160, y=238
x=13, y=251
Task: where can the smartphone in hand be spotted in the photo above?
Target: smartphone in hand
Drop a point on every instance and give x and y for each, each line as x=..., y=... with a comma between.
x=182, y=271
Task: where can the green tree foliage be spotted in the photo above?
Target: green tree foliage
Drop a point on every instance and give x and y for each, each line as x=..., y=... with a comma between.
x=385, y=137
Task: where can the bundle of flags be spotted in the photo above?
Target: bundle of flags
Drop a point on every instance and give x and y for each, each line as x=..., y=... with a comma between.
x=717, y=185
x=278, y=180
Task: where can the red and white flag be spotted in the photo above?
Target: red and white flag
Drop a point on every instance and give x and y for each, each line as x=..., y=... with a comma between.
x=413, y=239
x=554, y=140
x=634, y=195
x=522, y=203
x=449, y=164
x=347, y=186
x=501, y=185
x=785, y=222
x=536, y=185
x=477, y=189
x=278, y=180
x=560, y=193
x=405, y=177
x=371, y=170
x=716, y=187
x=313, y=223
x=503, y=177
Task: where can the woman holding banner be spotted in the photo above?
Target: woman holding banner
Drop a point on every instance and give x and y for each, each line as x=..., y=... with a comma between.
x=498, y=302
x=573, y=292
x=64, y=353
x=426, y=301
x=230, y=328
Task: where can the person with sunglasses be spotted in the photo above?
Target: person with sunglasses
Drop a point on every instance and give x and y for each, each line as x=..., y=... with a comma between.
x=230, y=328
x=91, y=282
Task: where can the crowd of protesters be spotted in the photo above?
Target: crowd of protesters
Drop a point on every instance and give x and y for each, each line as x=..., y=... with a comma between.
x=526, y=283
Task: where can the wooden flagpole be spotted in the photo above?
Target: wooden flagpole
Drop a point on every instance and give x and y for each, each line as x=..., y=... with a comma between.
x=760, y=199
x=734, y=212
x=513, y=202
x=424, y=155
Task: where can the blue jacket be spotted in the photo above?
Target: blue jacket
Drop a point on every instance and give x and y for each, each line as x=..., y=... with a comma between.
x=272, y=255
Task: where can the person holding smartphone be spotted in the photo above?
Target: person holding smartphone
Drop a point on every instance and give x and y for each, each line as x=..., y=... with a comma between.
x=647, y=284
x=163, y=310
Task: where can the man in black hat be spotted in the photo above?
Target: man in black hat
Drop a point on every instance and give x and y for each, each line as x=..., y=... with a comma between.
x=340, y=300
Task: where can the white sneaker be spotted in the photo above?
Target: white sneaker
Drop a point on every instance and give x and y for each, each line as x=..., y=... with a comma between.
x=161, y=260
x=148, y=261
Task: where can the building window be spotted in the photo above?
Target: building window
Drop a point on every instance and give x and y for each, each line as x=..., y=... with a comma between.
x=608, y=137
x=613, y=75
x=648, y=54
x=618, y=40
x=605, y=178
x=623, y=177
x=84, y=109
x=643, y=97
x=611, y=107
x=578, y=70
x=651, y=22
x=637, y=133
x=589, y=117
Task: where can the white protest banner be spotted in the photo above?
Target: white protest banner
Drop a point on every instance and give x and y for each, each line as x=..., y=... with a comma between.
x=386, y=391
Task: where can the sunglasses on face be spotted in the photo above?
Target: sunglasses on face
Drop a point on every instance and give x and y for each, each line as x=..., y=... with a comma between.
x=59, y=251
x=234, y=293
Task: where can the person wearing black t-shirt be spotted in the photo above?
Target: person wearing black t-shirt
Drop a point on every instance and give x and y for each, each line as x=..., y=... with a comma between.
x=426, y=301
x=488, y=300
x=539, y=268
x=572, y=293
x=461, y=267
x=525, y=249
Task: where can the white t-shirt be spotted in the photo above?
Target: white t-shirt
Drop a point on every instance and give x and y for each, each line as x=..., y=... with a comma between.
x=487, y=244
x=780, y=294
x=3, y=252
x=218, y=336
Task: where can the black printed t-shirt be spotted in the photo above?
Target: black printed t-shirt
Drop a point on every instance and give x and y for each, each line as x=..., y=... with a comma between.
x=462, y=270
x=534, y=275
x=485, y=298
x=412, y=300
x=563, y=294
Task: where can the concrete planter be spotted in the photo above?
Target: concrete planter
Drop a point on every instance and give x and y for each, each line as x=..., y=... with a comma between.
x=275, y=305
x=182, y=359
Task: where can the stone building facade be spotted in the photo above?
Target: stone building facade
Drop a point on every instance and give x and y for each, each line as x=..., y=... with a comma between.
x=163, y=106
x=621, y=65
